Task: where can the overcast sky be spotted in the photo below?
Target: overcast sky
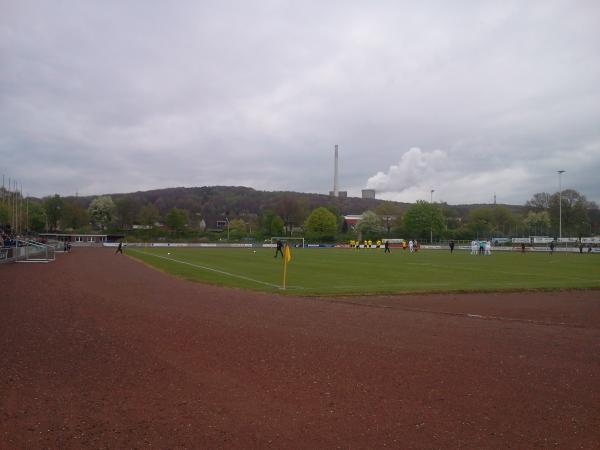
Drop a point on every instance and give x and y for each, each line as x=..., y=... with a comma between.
x=468, y=98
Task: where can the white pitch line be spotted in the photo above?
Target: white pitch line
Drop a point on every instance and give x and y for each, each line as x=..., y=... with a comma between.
x=222, y=272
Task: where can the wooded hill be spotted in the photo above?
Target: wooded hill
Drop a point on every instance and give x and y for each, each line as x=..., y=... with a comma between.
x=213, y=203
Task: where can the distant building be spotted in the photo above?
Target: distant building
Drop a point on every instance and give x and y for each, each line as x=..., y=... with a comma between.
x=368, y=193
x=340, y=194
x=352, y=220
x=81, y=238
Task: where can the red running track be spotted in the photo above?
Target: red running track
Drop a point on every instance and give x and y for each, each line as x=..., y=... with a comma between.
x=100, y=351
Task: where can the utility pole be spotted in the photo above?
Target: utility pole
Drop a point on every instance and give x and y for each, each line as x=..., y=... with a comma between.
x=431, y=221
x=560, y=172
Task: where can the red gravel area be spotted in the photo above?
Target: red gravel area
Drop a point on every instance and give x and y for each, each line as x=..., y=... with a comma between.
x=100, y=351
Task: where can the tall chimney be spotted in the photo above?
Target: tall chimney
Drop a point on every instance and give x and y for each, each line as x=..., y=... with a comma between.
x=335, y=174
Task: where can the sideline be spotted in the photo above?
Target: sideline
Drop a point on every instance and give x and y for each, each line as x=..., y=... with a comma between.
x=222, y=272
x=466, y=315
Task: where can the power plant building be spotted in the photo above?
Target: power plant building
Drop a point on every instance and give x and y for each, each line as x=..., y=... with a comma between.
x=368, y=193
x=340, y=194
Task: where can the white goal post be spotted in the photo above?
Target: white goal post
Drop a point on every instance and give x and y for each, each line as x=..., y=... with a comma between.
x=300, y=240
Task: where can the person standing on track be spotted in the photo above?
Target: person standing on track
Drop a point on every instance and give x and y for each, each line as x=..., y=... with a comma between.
x=279, y=248
x=119, y=248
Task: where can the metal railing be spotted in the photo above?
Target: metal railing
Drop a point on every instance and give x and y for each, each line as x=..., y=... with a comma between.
x=27, y=251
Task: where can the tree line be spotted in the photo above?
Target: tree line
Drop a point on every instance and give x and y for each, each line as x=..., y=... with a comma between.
x=294, y=215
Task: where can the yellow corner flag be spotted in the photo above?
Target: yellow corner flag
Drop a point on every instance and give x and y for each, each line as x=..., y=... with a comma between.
x=287, y=257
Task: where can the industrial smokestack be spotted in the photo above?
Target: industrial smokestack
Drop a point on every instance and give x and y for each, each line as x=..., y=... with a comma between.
x=336, y=186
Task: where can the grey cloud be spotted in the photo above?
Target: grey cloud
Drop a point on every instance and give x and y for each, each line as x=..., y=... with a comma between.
x=138, y=95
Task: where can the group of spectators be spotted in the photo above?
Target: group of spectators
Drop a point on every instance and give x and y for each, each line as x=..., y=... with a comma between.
x=8, y=239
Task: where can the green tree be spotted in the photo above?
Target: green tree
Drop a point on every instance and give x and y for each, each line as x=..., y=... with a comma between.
x=539, y=202
x=74, y=216
x=370, y=226
x=271, y=223
x=277, y=226
x=292, y=211
x=422, y=218
x=127, y=209
x=321, y=224
x=390, y=215
x=502, y=220
x=452, y=220
x=335, y=210
x=480, y=222
x=148, y=215
x=176, y=219
x=537, y=223
x=37, y=217
x=102, y=211
x=54, y=208
x=574, y=215
x=237, y=229
x=4, y=216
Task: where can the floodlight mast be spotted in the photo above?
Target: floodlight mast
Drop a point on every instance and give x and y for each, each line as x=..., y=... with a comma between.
x=431, y=223
x=560, y=172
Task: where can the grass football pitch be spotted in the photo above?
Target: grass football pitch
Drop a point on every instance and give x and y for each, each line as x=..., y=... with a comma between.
x=351, y=272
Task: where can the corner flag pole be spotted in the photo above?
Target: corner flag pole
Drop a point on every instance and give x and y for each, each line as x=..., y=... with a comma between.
x=287, y=257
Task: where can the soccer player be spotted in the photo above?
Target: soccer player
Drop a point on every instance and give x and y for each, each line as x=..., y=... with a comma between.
x=387, y=247
x=552, y=248
x=451, y=247
x=488, y=248
x=279, y=248
x=411, y=246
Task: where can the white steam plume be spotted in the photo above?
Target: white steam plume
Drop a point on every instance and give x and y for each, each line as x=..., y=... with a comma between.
x=414, y=167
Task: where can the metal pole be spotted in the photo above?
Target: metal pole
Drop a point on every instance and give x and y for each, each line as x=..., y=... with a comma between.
x=560, y=172
x=14, y=206
x=9, y=202
x=21, y=208
x=431, y=222
x=17, y=207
